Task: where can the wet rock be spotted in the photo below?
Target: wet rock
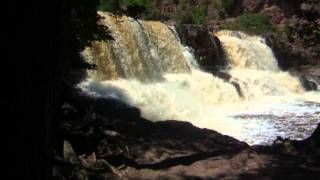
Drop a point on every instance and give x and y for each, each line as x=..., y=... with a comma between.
x=227, y=78
x=308, y=84
x=238, y=88
x=312, y=74
x=207, y=47
x=223, y=75
x=308, y=76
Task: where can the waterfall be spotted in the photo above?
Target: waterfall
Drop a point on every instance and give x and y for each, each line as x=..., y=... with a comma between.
x=143, y=50
x=247, y=52
x=254, y=67
x=146, y=66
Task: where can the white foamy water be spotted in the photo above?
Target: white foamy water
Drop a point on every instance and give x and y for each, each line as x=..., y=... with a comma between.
x=273, y=102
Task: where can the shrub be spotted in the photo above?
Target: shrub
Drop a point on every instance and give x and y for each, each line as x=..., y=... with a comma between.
x=184, y=15
x=199, y=15
x=187, y=14
x=251, y=23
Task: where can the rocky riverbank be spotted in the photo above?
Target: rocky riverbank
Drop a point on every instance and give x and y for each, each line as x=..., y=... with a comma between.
x=107, y=139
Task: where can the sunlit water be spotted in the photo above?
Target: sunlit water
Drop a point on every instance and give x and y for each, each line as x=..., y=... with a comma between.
x=252, y=122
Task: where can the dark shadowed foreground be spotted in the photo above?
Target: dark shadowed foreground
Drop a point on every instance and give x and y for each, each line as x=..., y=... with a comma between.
x=105, y=138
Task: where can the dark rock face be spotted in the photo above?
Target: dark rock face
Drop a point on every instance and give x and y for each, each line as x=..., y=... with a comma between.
x=206, y=46
x=300, y=62
x=285, y=54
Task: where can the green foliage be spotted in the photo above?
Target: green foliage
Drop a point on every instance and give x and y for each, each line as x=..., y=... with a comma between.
x=251, y=23
x=184, y=15
x=199, y=15
x=187, y=14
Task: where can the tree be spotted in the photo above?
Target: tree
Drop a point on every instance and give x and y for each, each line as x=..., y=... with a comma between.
x=44, y=49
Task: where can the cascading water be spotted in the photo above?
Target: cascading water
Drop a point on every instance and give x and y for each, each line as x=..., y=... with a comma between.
x=254, y=67
x=147, y=67
x=142, y=50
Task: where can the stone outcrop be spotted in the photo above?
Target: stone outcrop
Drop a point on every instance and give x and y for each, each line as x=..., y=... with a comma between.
x=206, y=46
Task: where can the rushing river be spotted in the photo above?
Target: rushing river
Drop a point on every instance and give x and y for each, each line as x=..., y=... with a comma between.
x=146, y=66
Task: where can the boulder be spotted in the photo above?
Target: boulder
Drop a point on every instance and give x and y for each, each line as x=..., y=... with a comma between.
x=207, y=47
